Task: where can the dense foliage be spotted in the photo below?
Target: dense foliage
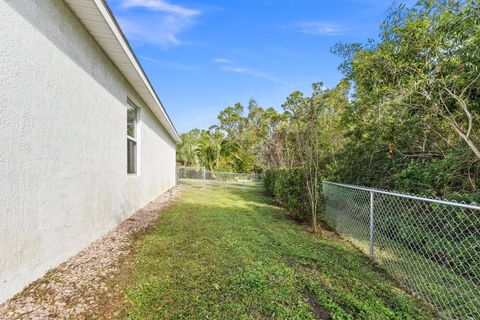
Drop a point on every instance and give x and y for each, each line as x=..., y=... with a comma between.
x=234, y=144
x=287, y=188
x=406, y=116
x=413, y=121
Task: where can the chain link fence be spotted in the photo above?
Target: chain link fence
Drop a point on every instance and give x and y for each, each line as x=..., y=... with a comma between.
x=203, y=177
x=431, y=246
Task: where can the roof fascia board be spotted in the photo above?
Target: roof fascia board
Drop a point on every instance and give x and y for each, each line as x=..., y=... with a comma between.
x=158, y=110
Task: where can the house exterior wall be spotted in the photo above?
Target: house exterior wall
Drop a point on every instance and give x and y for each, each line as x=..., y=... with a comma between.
x=63, y=146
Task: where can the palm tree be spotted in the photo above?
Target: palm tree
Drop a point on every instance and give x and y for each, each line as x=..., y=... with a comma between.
x=209, y=151
x=187, y=150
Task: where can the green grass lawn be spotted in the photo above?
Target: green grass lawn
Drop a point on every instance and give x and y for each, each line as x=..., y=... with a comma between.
x=224, y=252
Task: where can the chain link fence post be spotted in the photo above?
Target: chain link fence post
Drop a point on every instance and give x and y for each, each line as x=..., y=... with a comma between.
x=372, y=224
x=202, y=173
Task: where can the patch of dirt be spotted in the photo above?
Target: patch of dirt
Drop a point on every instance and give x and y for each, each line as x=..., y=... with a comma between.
x=319, y=312
x=77, y=287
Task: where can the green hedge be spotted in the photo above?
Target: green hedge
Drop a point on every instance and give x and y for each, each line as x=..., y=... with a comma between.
x=287, y=187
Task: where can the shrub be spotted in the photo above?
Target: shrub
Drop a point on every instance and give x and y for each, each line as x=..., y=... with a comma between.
x=287, y=187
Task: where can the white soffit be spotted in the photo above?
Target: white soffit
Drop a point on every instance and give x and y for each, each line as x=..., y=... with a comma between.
x=100, y=23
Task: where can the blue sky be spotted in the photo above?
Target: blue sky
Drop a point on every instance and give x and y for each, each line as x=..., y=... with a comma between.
x=203, y=56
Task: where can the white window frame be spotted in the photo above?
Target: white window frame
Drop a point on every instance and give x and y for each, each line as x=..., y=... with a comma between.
x=135, y=140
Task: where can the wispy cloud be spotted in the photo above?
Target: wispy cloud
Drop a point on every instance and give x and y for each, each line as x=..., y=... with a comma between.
x=162, y=6
x=253, y=72
x=222, y=61
x=319, y=28
x=229, y=66
x=169, y=64
x=157, y=22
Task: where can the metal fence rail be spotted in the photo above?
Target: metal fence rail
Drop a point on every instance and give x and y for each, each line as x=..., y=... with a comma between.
x=203, y=177
x=431, y=246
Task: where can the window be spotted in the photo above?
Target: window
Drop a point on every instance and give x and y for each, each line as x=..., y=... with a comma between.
x=132, y=136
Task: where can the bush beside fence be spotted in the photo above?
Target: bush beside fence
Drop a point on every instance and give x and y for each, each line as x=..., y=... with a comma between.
x=287, y=187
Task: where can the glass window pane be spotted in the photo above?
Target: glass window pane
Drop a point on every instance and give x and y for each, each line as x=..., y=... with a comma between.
x=131, y=156
x=131, y=121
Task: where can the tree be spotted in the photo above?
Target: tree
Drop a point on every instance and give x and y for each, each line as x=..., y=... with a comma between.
x=416, y=101
x=209, y=150
x=187, y=150
x=306, y=143
x=232, y=121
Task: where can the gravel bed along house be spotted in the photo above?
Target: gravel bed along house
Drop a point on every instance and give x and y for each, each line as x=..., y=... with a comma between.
x=75, y=288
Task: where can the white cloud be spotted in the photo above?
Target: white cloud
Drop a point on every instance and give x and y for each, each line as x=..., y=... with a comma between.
x=156, y=22
x=319, y=28
x=222, y=61
x=230, y=66
x=160, y=5
x=251, y=72
x=169, y=64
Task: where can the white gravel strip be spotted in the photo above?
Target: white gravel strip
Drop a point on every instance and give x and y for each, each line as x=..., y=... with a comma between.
x=74, y=287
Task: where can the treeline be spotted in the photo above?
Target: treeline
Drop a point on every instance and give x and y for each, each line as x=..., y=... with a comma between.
x=406, y=116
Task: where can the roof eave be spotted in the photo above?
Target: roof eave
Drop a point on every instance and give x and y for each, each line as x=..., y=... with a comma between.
x=89, y=12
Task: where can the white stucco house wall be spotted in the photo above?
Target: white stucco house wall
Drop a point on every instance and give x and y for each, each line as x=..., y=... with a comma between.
x=67, y=80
